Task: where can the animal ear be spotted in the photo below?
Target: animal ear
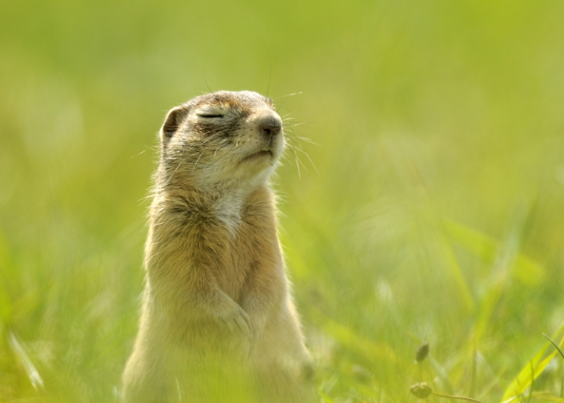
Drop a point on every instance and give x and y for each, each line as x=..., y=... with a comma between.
x=172, y=122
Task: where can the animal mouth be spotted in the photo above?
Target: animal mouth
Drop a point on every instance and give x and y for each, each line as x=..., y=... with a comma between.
x=258, y=155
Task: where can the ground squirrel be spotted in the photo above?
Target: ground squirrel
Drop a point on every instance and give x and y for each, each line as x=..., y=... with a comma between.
x=218, y=321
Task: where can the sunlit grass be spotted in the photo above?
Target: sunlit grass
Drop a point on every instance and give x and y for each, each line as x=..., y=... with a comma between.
x=428, y=209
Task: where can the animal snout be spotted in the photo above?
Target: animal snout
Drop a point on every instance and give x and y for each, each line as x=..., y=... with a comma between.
x=269, y=126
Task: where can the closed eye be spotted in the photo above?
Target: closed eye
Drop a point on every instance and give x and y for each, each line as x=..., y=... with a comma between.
x=209, y=115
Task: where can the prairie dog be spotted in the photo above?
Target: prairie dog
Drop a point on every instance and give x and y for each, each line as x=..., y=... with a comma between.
x=218, y=322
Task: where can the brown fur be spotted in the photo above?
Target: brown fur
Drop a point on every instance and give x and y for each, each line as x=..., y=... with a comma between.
x=218, y=321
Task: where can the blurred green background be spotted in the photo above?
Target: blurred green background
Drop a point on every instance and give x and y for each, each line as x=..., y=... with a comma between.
x=429, y=209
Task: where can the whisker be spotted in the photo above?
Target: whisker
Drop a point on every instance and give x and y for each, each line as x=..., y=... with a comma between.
x=288, y=95
x=294, y=144
x=308, y=141
x=295, y=124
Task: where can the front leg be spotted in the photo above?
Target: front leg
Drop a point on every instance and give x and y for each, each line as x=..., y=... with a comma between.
x=226, y=311
x=181, y=279
x=265, y=289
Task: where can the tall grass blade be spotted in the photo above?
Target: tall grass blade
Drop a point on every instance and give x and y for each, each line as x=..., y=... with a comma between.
x=21, y=354
x=326, y=399
x=449, y=257
x=377, y=352
x=526, y=377
x=554, y=344
x=525, y=269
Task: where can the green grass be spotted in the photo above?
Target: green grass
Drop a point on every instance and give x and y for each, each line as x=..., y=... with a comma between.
x=432, y=210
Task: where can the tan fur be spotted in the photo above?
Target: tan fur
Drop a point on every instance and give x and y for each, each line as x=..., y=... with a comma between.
x=218, y=321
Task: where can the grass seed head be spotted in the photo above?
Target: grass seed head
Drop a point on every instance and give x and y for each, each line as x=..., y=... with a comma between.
x=422, y=352
x=421, y=390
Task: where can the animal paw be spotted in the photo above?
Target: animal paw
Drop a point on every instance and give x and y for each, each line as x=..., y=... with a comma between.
x=238, y=322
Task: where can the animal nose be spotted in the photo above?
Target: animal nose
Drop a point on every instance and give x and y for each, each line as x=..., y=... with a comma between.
x=270, y=126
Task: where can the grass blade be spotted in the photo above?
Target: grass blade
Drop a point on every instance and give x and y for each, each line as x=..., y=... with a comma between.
x=526, y=376
x=526, y=270
x=26, y=362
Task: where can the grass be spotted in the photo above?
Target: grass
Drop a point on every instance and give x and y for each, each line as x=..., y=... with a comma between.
x=433, y=212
